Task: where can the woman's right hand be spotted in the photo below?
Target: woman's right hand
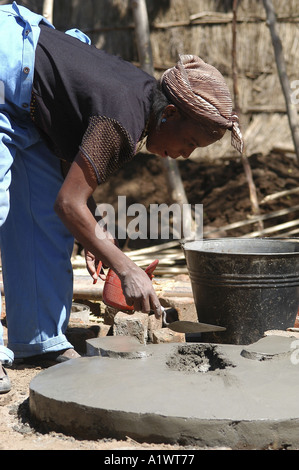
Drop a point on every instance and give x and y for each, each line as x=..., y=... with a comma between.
x=139, y=291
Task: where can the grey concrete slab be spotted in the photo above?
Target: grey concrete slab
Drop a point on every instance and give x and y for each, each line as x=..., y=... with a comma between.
x=191, y=394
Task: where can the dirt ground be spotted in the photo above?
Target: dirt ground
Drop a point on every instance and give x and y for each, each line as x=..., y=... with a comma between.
x=221, y=186
x=223, y=190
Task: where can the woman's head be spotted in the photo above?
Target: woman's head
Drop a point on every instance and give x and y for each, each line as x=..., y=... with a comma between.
x=178, y=135
x=198, y=107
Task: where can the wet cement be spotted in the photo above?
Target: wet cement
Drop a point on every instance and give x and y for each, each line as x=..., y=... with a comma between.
x=190, y=394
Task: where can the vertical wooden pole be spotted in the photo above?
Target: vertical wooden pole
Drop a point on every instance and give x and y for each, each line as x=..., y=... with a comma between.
x=282, y=73
x=174, y=180
x=142, y=35
x=48, y=7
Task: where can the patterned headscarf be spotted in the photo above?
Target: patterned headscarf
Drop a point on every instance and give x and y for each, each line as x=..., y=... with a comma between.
x=199, y=90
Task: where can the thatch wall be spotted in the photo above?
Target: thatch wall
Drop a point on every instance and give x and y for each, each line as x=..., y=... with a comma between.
x=204, y=27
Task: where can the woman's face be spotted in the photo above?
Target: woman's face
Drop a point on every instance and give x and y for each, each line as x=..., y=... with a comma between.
x=178, y=136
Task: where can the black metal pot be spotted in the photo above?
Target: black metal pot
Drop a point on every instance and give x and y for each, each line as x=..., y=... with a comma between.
x=246, y=285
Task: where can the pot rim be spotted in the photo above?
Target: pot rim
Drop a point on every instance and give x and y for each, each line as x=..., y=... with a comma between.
x=187, y=246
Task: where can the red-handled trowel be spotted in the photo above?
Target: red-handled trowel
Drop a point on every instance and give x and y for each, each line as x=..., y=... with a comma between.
x=113, y=296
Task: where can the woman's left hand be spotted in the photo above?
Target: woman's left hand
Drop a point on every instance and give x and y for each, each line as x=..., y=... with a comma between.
x=92, y=262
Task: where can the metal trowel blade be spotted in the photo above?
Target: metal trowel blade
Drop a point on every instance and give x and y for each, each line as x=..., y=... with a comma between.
x=193, y=327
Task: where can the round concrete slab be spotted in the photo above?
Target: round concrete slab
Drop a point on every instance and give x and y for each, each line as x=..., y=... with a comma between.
x=242, y=403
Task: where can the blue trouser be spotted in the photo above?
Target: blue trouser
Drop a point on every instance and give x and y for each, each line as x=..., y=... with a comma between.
x=35, y=245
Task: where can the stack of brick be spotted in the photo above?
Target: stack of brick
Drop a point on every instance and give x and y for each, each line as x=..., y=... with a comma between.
x=175, y=296
x=145, y=328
